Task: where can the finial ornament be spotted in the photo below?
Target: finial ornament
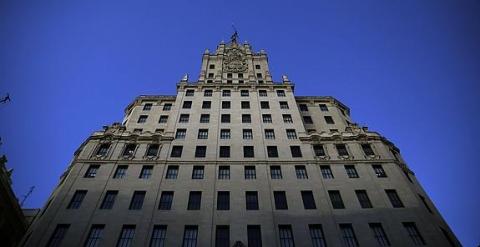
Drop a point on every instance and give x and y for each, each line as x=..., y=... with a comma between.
x=285, y=78
x=185, y=78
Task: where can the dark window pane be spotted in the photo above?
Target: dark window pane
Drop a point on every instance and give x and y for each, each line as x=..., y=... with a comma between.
x=224, y=172
x=275, y=172
x=250, y=172
x=326, y=172
x=348, y=235
x=194, y=200
x=254, y=236
x=342, y=149
x=223, y=200
x=91, y=171
x=95, y=236
x=58, y=235
x=248, y=152
x=197, y=172
x=146, y=172
x=126, y=236
x=317, y=236
x=222, y=236
x=414, y=234
x=336, y=199
x=351, y=171
x=394, y=198
x=379, y=234
x=301, y=172
x=251, y=200
x=286, y=236
x=190, y=236
x=172, y=172
x=109, y=199
x=280, y=200
x=308, y=200
x=176, y=151
x=77, y=199
x=166, y=200
x=363, y=198
x=137, y=200
x=159, y=236
x=121, y=172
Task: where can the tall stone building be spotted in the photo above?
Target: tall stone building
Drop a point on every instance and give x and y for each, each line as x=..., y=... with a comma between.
x=236, y=159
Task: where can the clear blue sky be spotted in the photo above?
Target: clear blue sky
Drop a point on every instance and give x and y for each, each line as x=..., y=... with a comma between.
x=409, y=69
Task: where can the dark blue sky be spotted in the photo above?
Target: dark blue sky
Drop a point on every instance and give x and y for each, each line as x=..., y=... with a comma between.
x=409, y=69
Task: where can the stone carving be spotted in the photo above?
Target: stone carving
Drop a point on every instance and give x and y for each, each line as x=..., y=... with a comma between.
x=235, y=61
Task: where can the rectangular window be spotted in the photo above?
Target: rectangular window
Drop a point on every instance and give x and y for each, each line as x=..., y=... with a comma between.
x=284, y=105
x=248, y=152
x=226, y=93
x=367, y=149
x=307, y=120
x=147, y=106
x=202, y=134
x=225, y=118
x=194, y=200
x=109, y=199
x=102, y=149
x=229, y=75
x=378, y=169
x=205, y=118
x=146, y=172
x=267, y=118
x=166, y=200
x=269, y=134
x=250, y=172
x=240, y=75
x=323, y=107
x=137, y=200
x=251, y=200
x=280, y=93
x=262, y=93
x=77, y=199
x=224, y=172
x=308, y=200
x=226, y=105
x=348, y=235
x=286, y=236
x=280, y=200
x=152, y=150
x=275, y=172
x=190, y=236
x=326, y=172
x=223, y=200
x=413, y=233
x=222, y=236
x=206, y=104
x=379, y=234
x=336, y=199
x=264, y=105
x=184, y=118
x=394, y=198
x=225, y=134
x=142, y=119
x=301, y=172
x=58, y=235
x=91, y=171
x=244, y=93
x=363, y=198
x=190, y=92
x=172, y=172
x=95, y=236
x=351, y=171
x=291, y=134
x=296, y=151
x=208, y=93
x=159, y=236
x=329, y=120
x=126, y=236
x=224, y=151
x=341, y=149
x=259, y=75
x=287, y=118
x=187, y=104
x=246, y=118
x=317, y=236
x=163, y=119
x=121, y=172
x=181, y=133
x=176, y=151
x=303, y=107
x=197, y=172
x=129, y=150
x=272, y=151
x=167, y=107
x=254, y=236
x=245, y=105
x=200, y=151
x=318, y=150
x=247, y=134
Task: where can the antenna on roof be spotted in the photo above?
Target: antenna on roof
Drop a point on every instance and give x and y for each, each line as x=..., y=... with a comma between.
x=234, y=36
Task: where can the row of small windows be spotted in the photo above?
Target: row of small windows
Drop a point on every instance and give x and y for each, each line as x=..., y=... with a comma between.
x=224, y=151
x=223, y=200
x=212, y=66
x=225, y=118
x=226, y=134
x=227, y=93
x=254, y=235
x=224, y=172
x=248, y=151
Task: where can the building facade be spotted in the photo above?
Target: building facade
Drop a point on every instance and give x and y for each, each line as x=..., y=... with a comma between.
x=12, y=222
x=236, y=159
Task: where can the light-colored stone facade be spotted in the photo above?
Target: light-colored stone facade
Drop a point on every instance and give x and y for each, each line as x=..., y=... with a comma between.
x=156, y=120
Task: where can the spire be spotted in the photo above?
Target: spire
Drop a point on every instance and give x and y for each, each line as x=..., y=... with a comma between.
x=234, y=36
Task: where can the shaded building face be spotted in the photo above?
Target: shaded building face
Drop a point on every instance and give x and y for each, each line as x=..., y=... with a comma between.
x=236, y=158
